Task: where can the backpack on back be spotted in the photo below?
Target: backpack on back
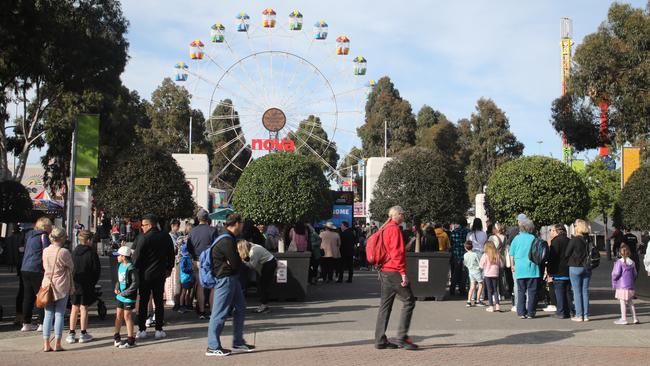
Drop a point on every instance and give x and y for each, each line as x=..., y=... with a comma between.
x=375, y=249
x=187, y=270
x=206, y=278
x=538, y=253
x=592, y=259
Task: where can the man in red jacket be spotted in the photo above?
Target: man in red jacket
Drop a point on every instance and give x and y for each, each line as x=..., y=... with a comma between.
x=392, y=276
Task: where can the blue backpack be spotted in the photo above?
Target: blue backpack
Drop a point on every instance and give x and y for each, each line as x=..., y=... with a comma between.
x=206, y=278
x=187, y=270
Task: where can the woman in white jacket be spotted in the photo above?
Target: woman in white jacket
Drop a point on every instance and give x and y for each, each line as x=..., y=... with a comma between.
x=264, y=263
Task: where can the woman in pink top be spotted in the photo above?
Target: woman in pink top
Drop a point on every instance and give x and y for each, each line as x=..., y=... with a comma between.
x=491, y=264
x=299, y=237
x=58, y=265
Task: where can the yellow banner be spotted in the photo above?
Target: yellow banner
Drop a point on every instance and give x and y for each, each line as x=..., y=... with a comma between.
x=82, y=181
x=631, y=161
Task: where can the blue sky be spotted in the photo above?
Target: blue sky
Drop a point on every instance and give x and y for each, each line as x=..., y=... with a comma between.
x=446, y=54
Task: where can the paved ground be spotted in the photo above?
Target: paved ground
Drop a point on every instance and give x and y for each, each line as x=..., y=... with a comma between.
x=336, y=325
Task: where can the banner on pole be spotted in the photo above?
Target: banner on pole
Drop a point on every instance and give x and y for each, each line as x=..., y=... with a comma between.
x=631, y=162
x=87, y=155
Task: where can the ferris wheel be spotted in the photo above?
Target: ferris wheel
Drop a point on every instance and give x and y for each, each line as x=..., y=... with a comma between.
x=266, y=85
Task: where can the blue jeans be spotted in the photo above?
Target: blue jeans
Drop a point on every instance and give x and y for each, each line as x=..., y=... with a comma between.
x=227, y=293
x=580, y=278
x=54, y=312
x=527, y=290
x=563, y=302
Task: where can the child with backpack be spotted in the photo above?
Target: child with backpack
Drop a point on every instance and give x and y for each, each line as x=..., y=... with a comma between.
x=491, y=264
x=623, y=277
x=126, y=291
x=472, y=262
x=186, y=266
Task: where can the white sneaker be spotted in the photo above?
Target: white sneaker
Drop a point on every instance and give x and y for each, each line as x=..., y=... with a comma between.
x=83, y=338
x=28, y=328
x=489, y=309
x=149, y=322
x=513, y=309
x=160, y=334
x=141, y=334
x=70, y=339
x=39, y=328
x=550, y=309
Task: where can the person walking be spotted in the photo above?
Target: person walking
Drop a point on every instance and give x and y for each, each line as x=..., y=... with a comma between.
x=576, y=254
x=264, y=264
x=558, y=270
x=87, y=270
x=348, y=243
x=200, y=239
x=526, y=273
x=458, y=278
x=154, y=261
x=228, y=294
x=58, y=269
x=31, y=270
x=394, y=283
x=331, y=246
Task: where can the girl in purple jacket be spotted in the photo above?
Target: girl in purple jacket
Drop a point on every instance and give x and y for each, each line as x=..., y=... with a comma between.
x=623, y=277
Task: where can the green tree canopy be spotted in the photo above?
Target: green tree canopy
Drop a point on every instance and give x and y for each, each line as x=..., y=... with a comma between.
x=386, y=105
x=425, y=183
x=283, y=188
x=488, y=143
x=312, y=141
x=612, y=65
x=604, y=188
x=635, y=200
x=15, y=203
x=144, y=179
x=443, y=137
x=231, y=152
x=578, y=119
x=169, y=112
x=119, y=116
x=546, y=190
x=49, y=48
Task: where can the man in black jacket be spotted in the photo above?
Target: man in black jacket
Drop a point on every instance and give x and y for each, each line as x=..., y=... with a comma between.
x=228, y=293
x=348, y=242
x=154, y=260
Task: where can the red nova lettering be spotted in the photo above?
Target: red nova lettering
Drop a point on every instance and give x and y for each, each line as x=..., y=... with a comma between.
x=270, y=144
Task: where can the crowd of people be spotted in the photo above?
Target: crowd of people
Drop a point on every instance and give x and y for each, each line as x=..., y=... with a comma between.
x=206, y=269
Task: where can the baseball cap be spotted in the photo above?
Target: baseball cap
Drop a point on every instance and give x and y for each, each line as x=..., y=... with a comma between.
x=203, y=215
x=125, y=251
x=522, y=217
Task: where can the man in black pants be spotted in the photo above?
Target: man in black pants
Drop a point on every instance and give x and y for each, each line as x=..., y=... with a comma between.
x=348, y=242
x=154, y=260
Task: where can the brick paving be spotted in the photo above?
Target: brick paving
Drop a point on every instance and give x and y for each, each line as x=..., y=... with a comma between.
x=335, y=326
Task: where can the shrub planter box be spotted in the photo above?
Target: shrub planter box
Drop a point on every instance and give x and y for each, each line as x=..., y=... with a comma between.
x=290, y=282
x=428, y=273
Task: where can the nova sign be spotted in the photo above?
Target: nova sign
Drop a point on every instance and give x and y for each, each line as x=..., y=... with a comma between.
x=270, y=144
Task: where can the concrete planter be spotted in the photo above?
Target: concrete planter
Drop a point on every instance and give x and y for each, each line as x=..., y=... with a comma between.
x=428, y=273
x=290, y=282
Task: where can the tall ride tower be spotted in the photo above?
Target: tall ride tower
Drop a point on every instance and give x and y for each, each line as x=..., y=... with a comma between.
x=566, y=43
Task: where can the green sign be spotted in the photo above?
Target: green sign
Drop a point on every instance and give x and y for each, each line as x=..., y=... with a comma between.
x=87, y=153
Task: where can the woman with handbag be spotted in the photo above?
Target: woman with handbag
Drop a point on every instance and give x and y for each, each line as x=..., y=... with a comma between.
x=56, y=287
x=31, y=270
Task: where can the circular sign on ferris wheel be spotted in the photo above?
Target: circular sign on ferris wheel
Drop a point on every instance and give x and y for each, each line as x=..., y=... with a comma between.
x=274, y=119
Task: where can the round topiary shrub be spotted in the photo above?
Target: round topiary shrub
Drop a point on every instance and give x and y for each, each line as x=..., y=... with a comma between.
x=635, y=200
x=545, y=189
x=425, y=183
x=144, y=180
x=15, y=203
x=283, y=188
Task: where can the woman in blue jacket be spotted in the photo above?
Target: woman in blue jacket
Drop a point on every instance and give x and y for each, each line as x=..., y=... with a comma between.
x=32, y=270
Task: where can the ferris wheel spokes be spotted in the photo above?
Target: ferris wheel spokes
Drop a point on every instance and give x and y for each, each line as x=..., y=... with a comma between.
x=304, y=143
